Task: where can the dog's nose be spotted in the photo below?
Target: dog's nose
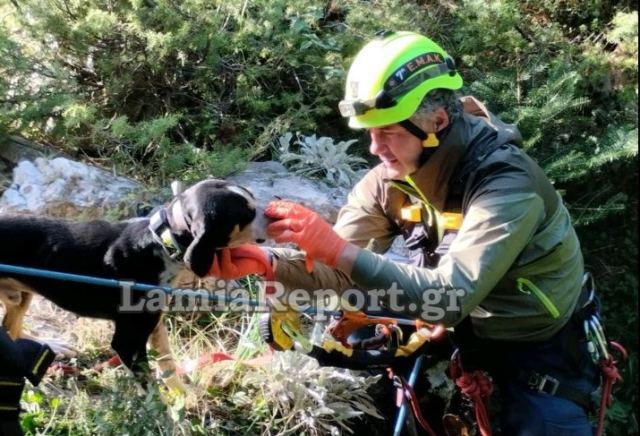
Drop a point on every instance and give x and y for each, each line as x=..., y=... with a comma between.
x=259, y=226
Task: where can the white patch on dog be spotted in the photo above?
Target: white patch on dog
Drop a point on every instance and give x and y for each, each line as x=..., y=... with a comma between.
x=243, y=193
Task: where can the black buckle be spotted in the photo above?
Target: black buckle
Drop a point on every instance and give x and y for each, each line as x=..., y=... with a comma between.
x=543, y=383
x=451, y=64
x=384, y=100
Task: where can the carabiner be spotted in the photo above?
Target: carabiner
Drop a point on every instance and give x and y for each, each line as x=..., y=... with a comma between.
x=601, y=341
x=591, y=346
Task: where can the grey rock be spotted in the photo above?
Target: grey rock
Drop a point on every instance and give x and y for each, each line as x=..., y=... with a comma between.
x=271, y=180
x=63, y=188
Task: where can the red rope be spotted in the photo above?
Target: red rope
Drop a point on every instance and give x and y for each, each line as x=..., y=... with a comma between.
x=478, y=387
x=611, y=376
x=415, y=407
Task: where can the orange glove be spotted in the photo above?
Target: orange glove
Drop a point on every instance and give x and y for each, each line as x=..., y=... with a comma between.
x=236, y=262
x=307, y=229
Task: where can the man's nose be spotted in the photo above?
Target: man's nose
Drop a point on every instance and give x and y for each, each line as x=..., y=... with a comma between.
x=377, y=145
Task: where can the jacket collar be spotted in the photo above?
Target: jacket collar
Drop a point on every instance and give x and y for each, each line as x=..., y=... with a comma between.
x=432, y=178
x=463, y=146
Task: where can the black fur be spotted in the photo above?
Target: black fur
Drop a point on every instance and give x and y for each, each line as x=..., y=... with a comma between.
x=123, y=251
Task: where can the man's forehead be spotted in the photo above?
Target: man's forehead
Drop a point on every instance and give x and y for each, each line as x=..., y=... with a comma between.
x=391, y=128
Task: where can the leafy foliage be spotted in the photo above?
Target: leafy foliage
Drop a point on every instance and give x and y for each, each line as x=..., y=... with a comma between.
x=290, y=394
x=110, y=404
x=321, y=401
x=321, y=156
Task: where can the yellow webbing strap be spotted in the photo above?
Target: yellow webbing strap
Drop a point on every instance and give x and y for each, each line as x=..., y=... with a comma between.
x=330, y=345
x=280, y=336
x=416, y=340
x=43, y=355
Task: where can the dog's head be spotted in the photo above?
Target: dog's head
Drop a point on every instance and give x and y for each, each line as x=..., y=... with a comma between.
x=213, y=214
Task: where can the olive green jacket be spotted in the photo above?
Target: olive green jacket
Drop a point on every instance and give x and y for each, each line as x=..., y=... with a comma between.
x=514, y=265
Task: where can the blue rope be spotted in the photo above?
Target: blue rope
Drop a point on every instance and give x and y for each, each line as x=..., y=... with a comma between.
x=112, y=283
x=402, y=413
x=141, y=287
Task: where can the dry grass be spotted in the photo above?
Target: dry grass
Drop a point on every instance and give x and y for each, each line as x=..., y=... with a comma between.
x=281, y=393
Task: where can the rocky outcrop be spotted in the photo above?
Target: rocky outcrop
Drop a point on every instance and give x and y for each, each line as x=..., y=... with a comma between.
x=271, y=180
x=63, y=188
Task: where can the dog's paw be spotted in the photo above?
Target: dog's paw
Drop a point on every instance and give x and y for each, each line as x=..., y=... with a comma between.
x=175, y=383
x=11, y=297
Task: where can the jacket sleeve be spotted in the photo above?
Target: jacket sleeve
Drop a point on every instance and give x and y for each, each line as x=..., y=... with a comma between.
x=24, y=358
x=362, y=221
x=501, y=219
x=291, y=273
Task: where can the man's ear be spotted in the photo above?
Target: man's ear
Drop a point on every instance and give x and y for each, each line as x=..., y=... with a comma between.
x=434, y=121
x=199, y=254
x=442, y=119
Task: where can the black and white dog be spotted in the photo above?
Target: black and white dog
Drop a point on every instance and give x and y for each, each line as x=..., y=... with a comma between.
x=186, y=232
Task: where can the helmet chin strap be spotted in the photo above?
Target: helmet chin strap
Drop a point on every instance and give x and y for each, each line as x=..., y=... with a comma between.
x=428, y=140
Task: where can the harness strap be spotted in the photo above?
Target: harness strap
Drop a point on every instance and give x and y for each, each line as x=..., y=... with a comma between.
x=413, y=129
x=550, y=385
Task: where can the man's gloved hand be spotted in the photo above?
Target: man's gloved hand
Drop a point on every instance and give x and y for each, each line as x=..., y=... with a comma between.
x=240, y=261
x=306, y=229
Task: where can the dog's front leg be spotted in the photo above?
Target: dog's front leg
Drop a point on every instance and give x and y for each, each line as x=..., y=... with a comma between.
x=130, y=342
x=159, y=341
x=17, y=297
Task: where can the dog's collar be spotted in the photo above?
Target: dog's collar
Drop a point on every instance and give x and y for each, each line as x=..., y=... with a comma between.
x=161, y=232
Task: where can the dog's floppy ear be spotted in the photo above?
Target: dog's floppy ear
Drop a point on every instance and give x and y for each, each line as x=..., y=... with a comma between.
x=199, y=254
x=209, y=234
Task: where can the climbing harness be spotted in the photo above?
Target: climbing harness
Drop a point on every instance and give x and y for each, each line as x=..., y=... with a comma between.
x=389, y=345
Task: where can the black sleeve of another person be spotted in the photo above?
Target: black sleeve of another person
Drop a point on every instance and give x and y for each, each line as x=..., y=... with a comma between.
x=18, y=360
